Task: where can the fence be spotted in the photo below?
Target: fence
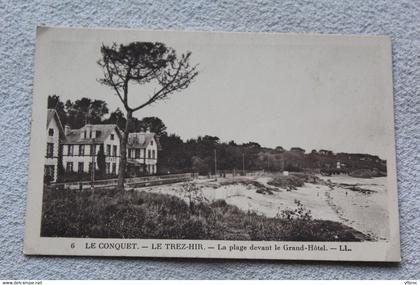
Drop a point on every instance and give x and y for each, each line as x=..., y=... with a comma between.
x=129, y=182
x=233, y=173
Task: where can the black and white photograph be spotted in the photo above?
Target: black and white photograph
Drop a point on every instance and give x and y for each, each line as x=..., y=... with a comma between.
x=243, y=145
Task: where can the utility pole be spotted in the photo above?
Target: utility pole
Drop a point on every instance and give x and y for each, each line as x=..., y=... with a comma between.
x=215, y=163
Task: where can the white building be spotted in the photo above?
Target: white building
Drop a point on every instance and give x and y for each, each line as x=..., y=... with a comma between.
x=142, y=153
x=80, y=148
x=55, y=134
x=77, y=149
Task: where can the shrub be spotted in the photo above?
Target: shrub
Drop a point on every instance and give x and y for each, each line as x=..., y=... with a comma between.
x=300, y=213
x=289, y=182
x=219, y=204
x=367, y=173
x=136, y=214
x=361, y=173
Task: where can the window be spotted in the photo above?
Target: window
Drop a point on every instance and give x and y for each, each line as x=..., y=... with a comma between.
x=149, y=153
x=50, y=132
x=98, y=134
x=92, y=149
x=90, y=167
x=84, y=134
x=81, y=150
x=90, y=134
x=69, y=167
x=49, y=171
x=50, y=150
x=69, y=149
x=108, y=168
x=112, y=137
x=108, y=150
x=80, y=167
x=151, y=142
x=114, y=150
x=153, y=154
x=114, y=168
x=137, y=153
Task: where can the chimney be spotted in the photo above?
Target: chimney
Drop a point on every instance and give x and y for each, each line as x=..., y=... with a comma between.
x=66, y=130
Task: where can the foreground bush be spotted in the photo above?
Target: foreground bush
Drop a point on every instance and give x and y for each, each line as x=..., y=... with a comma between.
x=135, y=214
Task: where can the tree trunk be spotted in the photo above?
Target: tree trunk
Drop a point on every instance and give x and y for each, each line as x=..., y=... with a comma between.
x=123, y=152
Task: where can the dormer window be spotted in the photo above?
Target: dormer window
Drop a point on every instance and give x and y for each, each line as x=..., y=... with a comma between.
x=84, y=134
x=151, y=142
x=50, y=132
x=97, y=134
x=112, y=137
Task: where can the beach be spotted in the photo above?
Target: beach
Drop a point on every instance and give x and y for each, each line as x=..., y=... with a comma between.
x=356, y=202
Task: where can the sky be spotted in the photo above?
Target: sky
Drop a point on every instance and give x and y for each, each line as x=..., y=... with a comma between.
x=314, y=92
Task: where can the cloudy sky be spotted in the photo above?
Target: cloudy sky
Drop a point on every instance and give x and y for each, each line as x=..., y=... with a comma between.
x=314, y=92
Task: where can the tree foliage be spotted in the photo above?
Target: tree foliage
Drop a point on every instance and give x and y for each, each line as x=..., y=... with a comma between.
x=54, y=102
x=118, y=118
x=80, y=112
x=197, y=154
x=85, y=111
x=143, y=63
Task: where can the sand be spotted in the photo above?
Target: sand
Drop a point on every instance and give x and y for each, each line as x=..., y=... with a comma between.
x=364, y=212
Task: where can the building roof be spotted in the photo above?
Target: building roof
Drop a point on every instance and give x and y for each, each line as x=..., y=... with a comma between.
x=52, y=113
x=142, y=140
x=74, y=136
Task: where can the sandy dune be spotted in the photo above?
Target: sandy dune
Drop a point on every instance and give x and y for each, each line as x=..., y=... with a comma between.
x=364, y=212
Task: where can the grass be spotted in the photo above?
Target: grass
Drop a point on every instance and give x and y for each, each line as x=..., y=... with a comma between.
x=135, y=214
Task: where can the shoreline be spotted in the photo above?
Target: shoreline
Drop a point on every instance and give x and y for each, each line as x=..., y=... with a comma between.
x=331, y=200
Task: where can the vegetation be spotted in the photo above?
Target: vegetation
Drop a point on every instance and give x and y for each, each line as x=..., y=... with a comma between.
x=252, y=184
x=101, y=161
x=134, y=214
x=366, y=173
x=289, y=182
x=142, y=63
x=300, y=213
x=82, y=176
x=80, y=112
x=197, y=154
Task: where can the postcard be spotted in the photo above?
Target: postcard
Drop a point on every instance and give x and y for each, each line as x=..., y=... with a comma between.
x=212, y=145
